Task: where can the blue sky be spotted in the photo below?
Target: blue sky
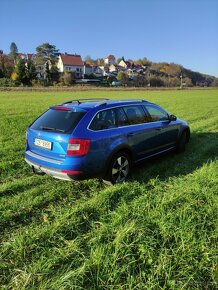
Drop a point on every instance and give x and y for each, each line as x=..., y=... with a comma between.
x=183, y=32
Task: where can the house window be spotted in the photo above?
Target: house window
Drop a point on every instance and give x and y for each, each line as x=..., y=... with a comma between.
x=77, y=69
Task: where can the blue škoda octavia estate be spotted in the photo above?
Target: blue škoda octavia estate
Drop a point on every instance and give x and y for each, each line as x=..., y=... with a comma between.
x=101, y=138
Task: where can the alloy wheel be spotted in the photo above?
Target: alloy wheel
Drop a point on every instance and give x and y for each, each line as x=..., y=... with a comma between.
x=120, y=169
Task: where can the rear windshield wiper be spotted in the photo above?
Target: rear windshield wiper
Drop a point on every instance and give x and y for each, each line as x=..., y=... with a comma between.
x=52, y=129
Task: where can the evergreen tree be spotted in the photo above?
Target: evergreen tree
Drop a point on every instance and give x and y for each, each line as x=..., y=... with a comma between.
x=47, y=74
x=46, y=52
x=6, y=65
x=20, y=70
x=13, y=51
x=30, y=71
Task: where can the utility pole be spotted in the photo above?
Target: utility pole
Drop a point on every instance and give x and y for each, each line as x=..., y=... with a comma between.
x=181, y=81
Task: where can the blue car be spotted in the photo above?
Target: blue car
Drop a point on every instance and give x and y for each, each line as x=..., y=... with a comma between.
x=87, y=138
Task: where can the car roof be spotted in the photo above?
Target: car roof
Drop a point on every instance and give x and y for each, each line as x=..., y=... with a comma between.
x=88, y=104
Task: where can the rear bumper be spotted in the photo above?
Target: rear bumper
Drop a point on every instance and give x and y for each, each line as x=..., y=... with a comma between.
x=55, y=172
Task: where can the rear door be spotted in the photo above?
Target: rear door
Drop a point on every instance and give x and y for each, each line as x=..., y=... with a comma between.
x=139, y=132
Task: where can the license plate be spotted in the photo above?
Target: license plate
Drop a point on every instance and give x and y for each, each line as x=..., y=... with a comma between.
x=43, y=143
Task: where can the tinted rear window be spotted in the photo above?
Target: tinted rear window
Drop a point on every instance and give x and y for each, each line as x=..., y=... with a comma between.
x=58, y=121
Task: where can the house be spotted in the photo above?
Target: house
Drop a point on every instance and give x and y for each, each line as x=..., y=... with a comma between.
x=116, y=68
x=110, y=59
x=88, y=69
x=22, y=56
x=125, y=64
x=26, y=56
x=104, y=70
x=71, y=63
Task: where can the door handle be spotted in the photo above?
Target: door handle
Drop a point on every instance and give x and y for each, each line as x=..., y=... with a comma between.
x=130, y=134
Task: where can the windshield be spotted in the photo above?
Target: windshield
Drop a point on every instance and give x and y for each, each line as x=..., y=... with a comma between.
x=58, y=121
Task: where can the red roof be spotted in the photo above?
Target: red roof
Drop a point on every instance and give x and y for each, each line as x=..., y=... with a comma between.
x=110, y=56
x=71, y=59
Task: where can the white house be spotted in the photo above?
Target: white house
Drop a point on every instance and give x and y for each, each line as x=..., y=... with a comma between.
x=71, y=63
x=88, y=69
x=110, y=59
x=125, y=64
x=116, y=68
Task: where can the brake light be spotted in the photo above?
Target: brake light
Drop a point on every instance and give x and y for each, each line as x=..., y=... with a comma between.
x=60, y=108
x=78, y=147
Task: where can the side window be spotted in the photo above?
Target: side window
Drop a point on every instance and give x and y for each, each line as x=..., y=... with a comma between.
x=156, y=113
x=121, y=117
x=103, y=120
x=135, y=115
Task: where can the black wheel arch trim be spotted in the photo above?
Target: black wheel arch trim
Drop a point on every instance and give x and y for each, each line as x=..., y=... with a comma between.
x=116, y=150
x=185, y=129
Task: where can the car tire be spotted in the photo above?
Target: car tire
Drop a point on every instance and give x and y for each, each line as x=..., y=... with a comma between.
x=181, y=143
x=118, y=170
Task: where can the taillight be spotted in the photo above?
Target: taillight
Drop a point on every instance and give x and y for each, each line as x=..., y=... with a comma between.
x=78, y=147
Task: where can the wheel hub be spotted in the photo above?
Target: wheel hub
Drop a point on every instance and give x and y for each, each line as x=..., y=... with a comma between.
x=120, y=169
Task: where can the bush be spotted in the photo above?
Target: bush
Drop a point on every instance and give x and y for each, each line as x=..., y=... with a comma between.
x=66, y=78
x=156, y=82
x=5, y=82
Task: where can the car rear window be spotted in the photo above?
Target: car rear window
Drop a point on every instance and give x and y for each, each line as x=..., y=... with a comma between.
x=58, y=121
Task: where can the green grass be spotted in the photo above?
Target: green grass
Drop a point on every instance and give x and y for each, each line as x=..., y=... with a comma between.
x=157, y=231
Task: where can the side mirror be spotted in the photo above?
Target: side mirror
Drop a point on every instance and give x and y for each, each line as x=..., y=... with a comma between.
x=172, y=118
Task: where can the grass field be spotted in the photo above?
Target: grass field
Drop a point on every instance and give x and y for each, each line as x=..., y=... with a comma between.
x=157, y=231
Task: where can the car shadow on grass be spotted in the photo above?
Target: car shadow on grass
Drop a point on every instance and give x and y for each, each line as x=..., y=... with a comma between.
x=202, y=148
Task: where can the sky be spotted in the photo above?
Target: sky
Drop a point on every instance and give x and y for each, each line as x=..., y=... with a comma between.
x=179, y=31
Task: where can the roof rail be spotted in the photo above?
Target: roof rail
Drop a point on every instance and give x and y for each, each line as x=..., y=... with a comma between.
x=133, y=100
x=80, y=101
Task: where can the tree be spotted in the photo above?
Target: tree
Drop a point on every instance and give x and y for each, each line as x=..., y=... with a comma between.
x=24, y=72
x=89, y=60
x=122, y=76
x=54, y=73
x=139, y=81
x=215, y=82
x=143, y=61
x=173, y=70
x=30, y=71
x=67, y=78
x=46, y=52
x=20, y=70
x=47, y=74
x=13, y=51
x=156, y=82
x=6, y=66
x=187, y=82
x=173, y=82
